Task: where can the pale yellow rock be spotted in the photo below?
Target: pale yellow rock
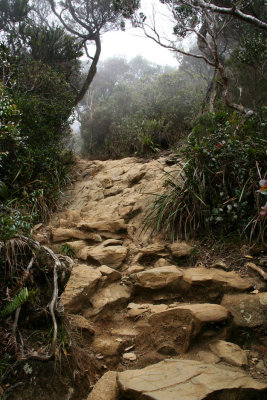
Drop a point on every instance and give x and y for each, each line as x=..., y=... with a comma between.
x=106, y=388
x=111, y=274
x=157, y=278
x=81, y=285
x=112, y=256
x=226, y=280
x=229, y=352
x=124, y=332
x=129, y=357
x=112, y=295
x=105, y=225
x=188, y=380
x=134, y=268
x=180, y=249
x=64, y=234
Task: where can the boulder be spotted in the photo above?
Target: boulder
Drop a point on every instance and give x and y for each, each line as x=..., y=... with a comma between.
x=180, y=249
x=157, y=278
x=112, y=256
x=229, y=352
x=110, y=296
x=80, y=287
x=106, y=388
x=248, y=310
x=189, y=380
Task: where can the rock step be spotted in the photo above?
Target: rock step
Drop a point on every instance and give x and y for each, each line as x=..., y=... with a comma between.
x=189, y=380
x=87, y=284
x=179, y=379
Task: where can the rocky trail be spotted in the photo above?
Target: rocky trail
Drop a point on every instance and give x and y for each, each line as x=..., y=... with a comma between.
x=159, y=324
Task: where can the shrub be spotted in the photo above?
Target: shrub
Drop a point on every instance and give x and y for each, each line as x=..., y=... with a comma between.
x=216, y=188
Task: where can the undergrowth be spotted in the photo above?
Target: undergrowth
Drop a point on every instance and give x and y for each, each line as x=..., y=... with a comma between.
x=216, y=189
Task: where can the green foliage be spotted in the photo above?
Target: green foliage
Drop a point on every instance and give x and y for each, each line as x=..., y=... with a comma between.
x=21, y=298
x=141, y=116
x=14, y=222
x=67, y=250
x=35, y=105
x=216, y=187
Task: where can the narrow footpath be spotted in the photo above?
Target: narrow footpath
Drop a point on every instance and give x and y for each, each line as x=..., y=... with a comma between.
x=159, y=324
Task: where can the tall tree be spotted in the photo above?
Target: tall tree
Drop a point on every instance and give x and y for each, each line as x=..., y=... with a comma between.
x=87, y=20
x=209, y=23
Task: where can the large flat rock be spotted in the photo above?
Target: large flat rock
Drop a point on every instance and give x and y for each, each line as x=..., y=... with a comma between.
x=81, y=285
x=189, y=380
x=157, y=278
x=218, y=278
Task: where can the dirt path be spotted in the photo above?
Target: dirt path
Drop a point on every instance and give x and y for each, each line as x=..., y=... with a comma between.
x=138, y=300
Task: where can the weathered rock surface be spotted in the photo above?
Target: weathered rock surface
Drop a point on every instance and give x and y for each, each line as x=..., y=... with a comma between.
x=110, y=275
x=63, y=234
x=106, y=388
x=157, y=278
x=223, y=279
x=229, y=352
x=108, y=225
x=112, y=295
x=188, y=380
x=248, y=310
x=112, y=256
x=81, y=285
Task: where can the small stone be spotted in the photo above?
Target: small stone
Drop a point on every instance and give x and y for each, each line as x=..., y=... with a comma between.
x=129, y=357
x=220, y=264
x=229, y=352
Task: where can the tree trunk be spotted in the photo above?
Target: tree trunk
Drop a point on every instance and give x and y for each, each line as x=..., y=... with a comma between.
x=91, y=72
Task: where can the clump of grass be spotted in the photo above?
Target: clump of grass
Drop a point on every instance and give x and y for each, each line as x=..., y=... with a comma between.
x=216, y=189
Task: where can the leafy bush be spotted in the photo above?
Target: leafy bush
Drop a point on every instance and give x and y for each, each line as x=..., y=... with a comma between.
x=216, y=188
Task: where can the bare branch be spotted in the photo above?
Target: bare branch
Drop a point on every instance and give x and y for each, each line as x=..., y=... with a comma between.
x=234, y=11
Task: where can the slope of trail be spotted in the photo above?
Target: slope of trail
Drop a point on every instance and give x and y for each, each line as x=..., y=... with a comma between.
x=166, y=325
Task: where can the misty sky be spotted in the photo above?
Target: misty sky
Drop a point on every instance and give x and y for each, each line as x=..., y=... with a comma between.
x=133, y=42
